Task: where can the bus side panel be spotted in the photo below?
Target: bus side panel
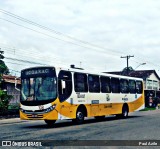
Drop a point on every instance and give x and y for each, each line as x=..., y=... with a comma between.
x=137, y=104
x=67, y=110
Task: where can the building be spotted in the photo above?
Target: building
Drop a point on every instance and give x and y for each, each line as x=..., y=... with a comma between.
x=8, y=84
x=151, y=82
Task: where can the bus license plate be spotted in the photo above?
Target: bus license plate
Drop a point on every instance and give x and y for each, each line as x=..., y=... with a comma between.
x=34, y=115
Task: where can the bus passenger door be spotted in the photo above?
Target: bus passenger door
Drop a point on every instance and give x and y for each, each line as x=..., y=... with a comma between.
x=64, y=91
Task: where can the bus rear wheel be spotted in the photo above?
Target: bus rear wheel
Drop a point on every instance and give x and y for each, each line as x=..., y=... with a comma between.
x=79, y=117
x=50, y=122
x=125, y=111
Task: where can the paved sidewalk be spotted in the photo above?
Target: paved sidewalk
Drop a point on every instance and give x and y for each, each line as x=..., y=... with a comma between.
x=11, y=120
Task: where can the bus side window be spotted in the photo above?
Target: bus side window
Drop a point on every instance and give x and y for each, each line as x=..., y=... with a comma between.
x=115, y=85
x=94, y=84
x=139, y=87
x=105, y=84
x=124, y=86
x=132, y=86
x=80, y=82
x=64, y=85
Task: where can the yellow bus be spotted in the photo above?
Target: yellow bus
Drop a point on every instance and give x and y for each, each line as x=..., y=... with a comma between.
x=51, y=93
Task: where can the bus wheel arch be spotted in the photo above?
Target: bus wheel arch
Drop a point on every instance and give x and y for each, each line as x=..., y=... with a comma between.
x=80, y=114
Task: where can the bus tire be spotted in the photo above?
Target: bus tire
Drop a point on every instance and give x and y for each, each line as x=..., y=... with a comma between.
x=79, y=116
x=125, y=111
x=99, y=118
x=50, y=122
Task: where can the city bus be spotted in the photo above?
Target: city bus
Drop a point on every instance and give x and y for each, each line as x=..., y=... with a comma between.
x=54, y=93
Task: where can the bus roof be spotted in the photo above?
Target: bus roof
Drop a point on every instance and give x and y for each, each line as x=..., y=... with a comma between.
x=86, y=72
x=98, y=73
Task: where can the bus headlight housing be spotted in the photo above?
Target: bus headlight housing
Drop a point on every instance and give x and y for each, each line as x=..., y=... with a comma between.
x=51, y=108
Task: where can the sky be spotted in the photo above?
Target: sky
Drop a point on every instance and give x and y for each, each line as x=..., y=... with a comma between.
x=92, y=34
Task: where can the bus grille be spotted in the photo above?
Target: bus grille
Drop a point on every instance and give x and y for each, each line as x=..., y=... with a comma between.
x=31, y=112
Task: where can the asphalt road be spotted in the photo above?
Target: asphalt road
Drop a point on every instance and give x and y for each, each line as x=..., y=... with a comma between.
x=138, y=126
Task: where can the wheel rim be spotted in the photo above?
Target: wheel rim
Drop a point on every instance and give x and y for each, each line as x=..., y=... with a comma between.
x=80, y=116
x=125, y=112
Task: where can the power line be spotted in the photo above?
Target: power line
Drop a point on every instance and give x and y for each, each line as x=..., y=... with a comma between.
x=31, y=54
x=46, y=34
x=12, y=50
x=24, y=61
x=15, y=70
x=34, y=56
x=58, y=33
x=13, y=63
x=53, y=31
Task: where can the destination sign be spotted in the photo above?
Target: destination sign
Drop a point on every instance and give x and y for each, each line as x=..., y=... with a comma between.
x=37, y=71
x=33, y=72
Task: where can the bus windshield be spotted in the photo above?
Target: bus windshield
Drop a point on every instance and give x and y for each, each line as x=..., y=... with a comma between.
x=38, y=88
x=38, y=85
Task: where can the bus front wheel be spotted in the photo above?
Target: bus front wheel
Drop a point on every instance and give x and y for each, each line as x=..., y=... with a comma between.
x=50, y=122
x=79, y=117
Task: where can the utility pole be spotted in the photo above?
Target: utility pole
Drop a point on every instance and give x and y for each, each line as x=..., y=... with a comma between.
x=127, y=57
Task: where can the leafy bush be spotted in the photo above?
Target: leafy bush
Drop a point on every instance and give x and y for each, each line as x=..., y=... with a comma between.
x=13, y=109
x=4, y=102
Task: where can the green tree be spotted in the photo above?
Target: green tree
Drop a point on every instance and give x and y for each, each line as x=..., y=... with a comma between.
x=3, y=68
x=4, y=98
x=126, y=72
x=4, y=101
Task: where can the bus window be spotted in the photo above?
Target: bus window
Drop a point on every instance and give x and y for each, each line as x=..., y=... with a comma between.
x=80, y=82
x=45, y=88
x=115, y=85
x=25, y=89
x=64, y=85
x=94, y=85
x=139, y=87
x=124, y=86
x=105, y=85
x=132, y=86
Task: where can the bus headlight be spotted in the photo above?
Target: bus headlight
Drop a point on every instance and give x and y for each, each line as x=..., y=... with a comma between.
x=51, y=108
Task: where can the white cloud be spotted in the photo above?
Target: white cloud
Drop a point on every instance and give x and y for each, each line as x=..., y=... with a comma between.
x=127, y=27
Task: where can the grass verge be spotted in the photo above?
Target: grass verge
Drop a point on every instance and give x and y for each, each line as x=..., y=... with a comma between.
x=148, y=109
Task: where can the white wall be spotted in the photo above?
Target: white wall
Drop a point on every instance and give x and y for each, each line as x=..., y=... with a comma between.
x=152, y=82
